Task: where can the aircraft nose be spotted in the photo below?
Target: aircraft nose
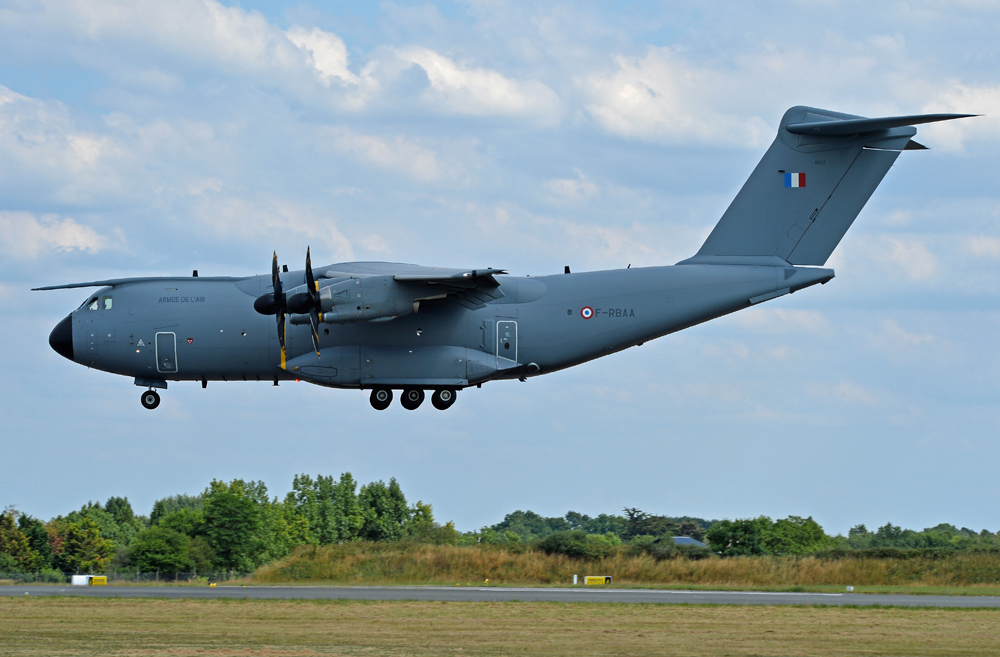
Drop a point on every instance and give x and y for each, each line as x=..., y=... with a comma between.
x=61, y=338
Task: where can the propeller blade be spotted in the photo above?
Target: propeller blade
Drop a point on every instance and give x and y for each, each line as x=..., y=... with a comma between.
x=314, y=325
x=311, y=281
x=281, y=328
x=276, y=280
x=281, y=336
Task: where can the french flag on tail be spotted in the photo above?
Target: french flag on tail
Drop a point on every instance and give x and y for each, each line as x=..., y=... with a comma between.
x=795, y=180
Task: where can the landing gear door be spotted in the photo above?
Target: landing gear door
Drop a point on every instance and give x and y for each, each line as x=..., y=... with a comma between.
x=166, y=353
x=507, y=340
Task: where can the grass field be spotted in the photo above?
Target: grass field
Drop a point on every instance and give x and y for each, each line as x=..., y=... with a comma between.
x=400, y=563
x=223, y=628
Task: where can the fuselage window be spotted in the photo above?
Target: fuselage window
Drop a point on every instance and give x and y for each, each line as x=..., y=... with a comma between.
x=107, y=303
x=95, y=303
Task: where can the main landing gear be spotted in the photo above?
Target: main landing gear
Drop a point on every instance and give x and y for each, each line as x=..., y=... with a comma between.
x=381, y=398
x=150, y=399
x=412, y=398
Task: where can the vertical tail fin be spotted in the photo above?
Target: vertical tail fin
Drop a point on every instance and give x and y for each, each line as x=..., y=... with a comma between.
x=810, y=186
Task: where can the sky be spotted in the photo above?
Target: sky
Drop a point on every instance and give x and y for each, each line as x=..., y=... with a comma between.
x=149, y=138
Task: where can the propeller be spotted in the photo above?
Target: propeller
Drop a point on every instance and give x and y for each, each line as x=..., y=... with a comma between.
x=274, y=303
x=300, y=303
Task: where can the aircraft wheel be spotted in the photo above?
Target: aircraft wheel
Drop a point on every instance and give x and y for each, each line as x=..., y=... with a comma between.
x=412, y=398
x=443, y=399
x=150, y=399
x=381, y=398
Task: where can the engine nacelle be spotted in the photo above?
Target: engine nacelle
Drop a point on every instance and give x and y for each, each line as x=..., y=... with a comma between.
x=357, y=300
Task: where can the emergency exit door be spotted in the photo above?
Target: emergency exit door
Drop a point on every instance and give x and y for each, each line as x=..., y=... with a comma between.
x=507, y=340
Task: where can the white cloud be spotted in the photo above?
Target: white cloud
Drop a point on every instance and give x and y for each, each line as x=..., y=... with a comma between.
x=397, y=154
x=570, y=189
x=777, y=321
x=961, y=98
x=269, y=220
x=896, y=337
x=327, y=53
x=666, y=96
x=984, y=246
x=852, y=393
x=40, y=143
x=25, y=236
x=458, y=89
x=912, y=256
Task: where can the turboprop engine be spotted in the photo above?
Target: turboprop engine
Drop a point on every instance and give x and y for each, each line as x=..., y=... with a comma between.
x=370, y=298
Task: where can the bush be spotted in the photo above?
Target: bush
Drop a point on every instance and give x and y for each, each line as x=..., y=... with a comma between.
x=579, y=544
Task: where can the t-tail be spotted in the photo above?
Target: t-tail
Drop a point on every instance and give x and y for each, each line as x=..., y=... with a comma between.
x=809, y=187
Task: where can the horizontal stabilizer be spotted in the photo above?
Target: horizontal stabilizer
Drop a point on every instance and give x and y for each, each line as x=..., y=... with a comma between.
x=827, y=128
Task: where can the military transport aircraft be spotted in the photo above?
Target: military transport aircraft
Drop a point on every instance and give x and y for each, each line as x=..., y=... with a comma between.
x=382, y=326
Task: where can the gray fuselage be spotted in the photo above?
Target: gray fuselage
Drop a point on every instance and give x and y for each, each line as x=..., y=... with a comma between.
x=207, y=329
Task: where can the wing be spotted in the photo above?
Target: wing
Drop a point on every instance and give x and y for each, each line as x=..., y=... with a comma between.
x=471, y=288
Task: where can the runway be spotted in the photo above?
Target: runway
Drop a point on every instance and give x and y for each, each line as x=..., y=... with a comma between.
x=499, y=594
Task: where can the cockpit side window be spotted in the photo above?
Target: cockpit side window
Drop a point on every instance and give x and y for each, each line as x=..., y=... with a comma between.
x=94, y=304
x=106, y=302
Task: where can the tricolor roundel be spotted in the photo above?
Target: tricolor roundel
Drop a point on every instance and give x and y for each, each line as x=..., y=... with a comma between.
x=586, y=312
x=795, y=180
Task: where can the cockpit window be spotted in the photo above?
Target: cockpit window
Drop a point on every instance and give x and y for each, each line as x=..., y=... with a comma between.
x=94, y=304
x=106, y=302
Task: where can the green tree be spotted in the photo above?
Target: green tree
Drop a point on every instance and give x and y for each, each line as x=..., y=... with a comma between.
x=422, y=528
x=15, y=543
x=639, y=523
x=792, y=535
x=190, y=522
x=529, y=525
x=168, y=505
x=384, y=511
x=163, y=550
x=82, y=548
x=120, y=510
x=38, y=538
x=738, y=537
x=231, y=521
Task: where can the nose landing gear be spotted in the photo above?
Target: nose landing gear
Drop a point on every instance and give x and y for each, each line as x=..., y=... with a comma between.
x=150, y=399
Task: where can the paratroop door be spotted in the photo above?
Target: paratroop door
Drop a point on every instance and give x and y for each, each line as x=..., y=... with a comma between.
x=166, y=353
x=507, y=340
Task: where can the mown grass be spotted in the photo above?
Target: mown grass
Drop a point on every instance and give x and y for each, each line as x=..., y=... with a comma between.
x=223, y=628
x=373, y=563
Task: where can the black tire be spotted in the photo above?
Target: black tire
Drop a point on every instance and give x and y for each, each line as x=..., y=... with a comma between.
x=411, y=399
x=443, y=399
x=381, y=398
x=150, y=399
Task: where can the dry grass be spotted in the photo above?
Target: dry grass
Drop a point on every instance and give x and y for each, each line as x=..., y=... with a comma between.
x=360, y=563
x=82, y=626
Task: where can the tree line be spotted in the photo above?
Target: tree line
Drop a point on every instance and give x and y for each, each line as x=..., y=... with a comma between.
x=230, y=526
x=237, y=526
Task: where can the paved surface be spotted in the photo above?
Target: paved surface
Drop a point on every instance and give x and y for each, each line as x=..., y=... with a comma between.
x=463, y=594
